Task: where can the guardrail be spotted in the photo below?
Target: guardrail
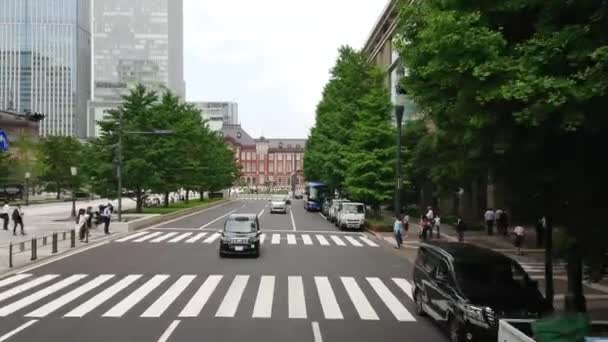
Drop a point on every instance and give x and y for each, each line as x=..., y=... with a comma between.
x=51, y=241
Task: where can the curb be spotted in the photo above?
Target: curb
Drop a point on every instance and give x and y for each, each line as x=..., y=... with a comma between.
x=105, y=239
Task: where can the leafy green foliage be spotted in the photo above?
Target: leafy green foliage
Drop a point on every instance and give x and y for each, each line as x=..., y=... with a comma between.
x=58, y=155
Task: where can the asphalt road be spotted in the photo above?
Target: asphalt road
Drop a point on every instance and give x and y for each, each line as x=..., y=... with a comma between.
x=312, y=283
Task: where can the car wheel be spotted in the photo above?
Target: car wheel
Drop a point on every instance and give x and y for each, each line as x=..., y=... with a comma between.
x=222, y=254
x=455, y=330
x=419, y=304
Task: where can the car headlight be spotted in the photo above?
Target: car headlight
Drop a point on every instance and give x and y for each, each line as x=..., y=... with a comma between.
x=225, y=239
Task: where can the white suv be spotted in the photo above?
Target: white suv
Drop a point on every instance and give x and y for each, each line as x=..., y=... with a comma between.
x=351, y=215
x=278, y=204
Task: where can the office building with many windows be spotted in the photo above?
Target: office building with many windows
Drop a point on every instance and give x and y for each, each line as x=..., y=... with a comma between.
x=45, y=63
x=218, y=114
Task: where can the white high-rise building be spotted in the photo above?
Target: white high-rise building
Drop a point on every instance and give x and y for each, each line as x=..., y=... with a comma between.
x=45, y=62
x=218, y=114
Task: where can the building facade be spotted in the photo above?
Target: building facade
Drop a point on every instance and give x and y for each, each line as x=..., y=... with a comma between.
x=218, y=114
x=45, y=62
x=135, y=41
x=271, y=163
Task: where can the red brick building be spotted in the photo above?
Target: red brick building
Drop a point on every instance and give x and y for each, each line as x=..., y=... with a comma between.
x=275, y=163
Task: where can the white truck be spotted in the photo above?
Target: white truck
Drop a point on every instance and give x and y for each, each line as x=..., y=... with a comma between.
x=351, y=215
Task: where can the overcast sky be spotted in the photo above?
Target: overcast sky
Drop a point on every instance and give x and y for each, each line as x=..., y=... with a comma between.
x=271, y=56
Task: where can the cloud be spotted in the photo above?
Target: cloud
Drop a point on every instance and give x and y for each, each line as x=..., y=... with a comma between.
x=271, y=56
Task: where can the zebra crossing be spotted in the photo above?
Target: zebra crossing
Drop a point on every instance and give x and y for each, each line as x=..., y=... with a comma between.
x=208, y=238
x=318, y=297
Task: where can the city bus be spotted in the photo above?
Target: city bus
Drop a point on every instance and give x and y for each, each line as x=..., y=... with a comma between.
x=314, y=196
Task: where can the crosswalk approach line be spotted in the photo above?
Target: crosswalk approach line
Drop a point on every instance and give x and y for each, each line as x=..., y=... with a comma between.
x=103, y=296
x=200, y=298
x=136, y=296
x=69, y=297
x=232, y=298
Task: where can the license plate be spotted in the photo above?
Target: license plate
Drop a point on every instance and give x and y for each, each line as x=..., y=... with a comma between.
x=239, y=248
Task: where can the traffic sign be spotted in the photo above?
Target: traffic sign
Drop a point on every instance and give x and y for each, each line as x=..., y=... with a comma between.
x=3, y=141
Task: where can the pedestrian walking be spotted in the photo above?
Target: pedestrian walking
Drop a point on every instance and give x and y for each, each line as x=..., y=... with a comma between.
x=406, y=226
x=489, y=217
x=541, y=226
x=397, y=231
x=460, y=228
x=502, y=222
x=107, y=217
x=519, y=233
x=18, y=220
x=81, y=224
x=430, y=216
x=437, y=224
x=90, y=215
x=6, y=209
x=497, y=217
x=424, y=228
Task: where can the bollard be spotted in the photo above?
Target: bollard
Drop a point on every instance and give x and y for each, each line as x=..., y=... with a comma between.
x=34, y=257
x=72, y=238
x=54, y=243
x=10, y=255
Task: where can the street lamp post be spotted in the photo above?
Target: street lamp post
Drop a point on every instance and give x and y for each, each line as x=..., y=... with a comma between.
x=27, y=188
x=74, y=172
x=399, y=110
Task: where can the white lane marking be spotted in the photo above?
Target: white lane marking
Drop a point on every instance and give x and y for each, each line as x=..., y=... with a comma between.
x=231, y=301
x=263, y=301
x=389, y=299
x=262, y=238
x=330, y=306
x=165, y=336
x=276, y=239
x=200, y=298
x=164, y=301
x=164, y=237
x=180, y=238
x=316, y=332
x=323, y=216
x=307, y=240
x=131, y=237
x=69, y=297
x=261, y=212
x=293, y=222
x=297, y=303
x=337, y=240
x=291, y=239
x=103, y=296
x=405, y=286
x=18, y=330
x=126, y=304
x=148, y=237
x=212, y=238
x=20, y=304
x=353, y=241
x=368, y=241
x=322, y=240
x=14, y=279
x=217, y=219
x=357, y=297
x=196, y=237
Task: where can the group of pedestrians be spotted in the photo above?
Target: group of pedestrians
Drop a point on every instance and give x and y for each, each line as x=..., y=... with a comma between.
x=430, y=222
x=498, y=218
x=15, y=214
x=401, y=227
x=85, y=222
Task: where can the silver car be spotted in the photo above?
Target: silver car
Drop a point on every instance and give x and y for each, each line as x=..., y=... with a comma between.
x=278, y=204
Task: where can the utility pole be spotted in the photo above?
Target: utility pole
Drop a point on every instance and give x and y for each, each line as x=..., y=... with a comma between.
x=119, y=165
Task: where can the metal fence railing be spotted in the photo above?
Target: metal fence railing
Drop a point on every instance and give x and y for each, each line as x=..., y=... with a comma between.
x=48, y=241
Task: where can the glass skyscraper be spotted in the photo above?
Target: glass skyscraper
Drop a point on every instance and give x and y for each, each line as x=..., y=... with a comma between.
x=45, y=61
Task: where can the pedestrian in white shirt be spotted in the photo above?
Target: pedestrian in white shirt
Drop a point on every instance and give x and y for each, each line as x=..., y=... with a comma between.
x=107, y=217
x=430, y=215
x=519, y=232
x=437, y=223
x=490, y=216
x=6, y=210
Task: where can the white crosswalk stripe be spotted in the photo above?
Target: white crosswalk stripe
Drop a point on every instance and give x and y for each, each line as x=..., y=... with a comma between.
x=306, y=297
x=306, y=239
x=233, y=297
x=262, y=238
x=337, y=240
x=132, y=236
x=212, y=238
x=291, y=239
x=322, y=240
x=14, y=279
x=180, y=238
x=369, y=242
x=353, y=241
x=126, y=304
x=276, y=239
x=200, y=298
x=26, y=286
x=196, y=237
x=164, y=237
x=148, y=237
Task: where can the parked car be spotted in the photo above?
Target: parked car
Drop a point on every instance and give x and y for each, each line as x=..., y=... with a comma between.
x=351, y=215
x=241, y=235
x=334, y=208
x=278, y=204
x=469, y=289
x=325, y=207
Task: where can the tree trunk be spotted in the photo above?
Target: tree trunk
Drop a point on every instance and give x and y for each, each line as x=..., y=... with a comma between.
x=187, y=196
x=200, y=197
x=58, y=192
x=576, y=301
x=166, y=203
x=139, y=201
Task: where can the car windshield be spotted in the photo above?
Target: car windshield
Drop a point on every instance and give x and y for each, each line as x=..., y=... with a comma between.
x=478, y=277
x=353, y=208
x=278, y=198
x=240, y=226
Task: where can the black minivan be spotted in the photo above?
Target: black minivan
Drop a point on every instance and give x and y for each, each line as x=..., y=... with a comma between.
x=469, y=288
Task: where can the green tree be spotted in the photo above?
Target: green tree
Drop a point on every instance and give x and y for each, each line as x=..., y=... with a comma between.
x=57, y=155
x=517, y=89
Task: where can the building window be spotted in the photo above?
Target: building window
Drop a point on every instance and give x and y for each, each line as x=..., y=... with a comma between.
x=271, y=156
x=271, y=167
x=289, y=156
x=298, y=156
x=261, y=167
x=279, y=156
x=262, y=181
x=253, y=168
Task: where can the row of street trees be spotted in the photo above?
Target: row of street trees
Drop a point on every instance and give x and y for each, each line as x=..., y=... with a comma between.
x=351, y=147
x=189, y=156
x=514, y=92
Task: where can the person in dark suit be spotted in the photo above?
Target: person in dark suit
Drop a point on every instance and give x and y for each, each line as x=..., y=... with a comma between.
x=18, y=220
